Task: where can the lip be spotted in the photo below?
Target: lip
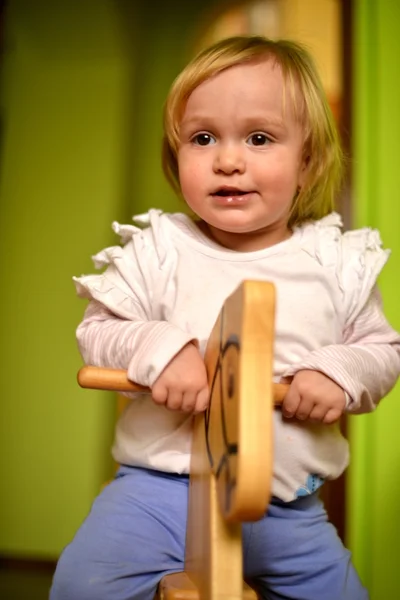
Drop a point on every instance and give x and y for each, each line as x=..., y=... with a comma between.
x=232, y=200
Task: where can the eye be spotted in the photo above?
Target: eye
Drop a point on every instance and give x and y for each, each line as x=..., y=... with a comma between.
x=203, y=139
x=258, y=139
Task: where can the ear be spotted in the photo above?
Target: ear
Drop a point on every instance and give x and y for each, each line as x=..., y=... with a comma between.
x=303, y=171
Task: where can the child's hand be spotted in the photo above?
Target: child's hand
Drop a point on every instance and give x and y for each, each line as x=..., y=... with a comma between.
x=183, y=383
x=314, y=396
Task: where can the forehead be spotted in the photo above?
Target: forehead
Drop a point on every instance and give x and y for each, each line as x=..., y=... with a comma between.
x=259, y=86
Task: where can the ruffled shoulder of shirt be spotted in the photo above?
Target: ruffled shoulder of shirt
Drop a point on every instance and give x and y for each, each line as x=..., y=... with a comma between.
x=355, y=257
x=149, y=231
x=136, y=269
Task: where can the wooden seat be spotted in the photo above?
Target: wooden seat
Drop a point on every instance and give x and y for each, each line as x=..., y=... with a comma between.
x=231, y=464
x=179, y=586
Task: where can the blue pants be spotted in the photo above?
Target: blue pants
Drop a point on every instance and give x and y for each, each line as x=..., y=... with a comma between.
x=135, y=534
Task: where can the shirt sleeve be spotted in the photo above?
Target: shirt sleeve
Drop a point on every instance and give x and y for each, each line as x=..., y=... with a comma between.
x=367, y=364
x=126, y=322
x=143, y=348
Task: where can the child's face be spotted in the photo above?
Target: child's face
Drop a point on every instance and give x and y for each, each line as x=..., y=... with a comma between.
x=240, y=155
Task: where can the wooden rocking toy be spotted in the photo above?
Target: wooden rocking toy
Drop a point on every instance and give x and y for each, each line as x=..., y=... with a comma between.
x=231, y=464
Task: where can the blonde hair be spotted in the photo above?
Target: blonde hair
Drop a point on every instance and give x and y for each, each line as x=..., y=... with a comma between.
x=322, y=149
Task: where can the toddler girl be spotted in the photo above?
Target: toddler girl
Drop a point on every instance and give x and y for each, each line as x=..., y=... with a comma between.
x=251, y=146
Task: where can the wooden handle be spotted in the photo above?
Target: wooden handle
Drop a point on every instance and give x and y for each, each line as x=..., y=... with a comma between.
x=116, y=380
x=113, y=380
x=279, y=391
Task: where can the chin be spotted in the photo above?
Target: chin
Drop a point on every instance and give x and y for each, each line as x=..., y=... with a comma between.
x=235, y=226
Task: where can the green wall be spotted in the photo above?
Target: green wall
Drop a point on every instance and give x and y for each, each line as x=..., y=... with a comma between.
x=82, y=89
x=374, y=491
x=65, y=75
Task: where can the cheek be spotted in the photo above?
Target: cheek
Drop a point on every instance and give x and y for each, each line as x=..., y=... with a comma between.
x=189, y=187
x=278, y=176
x=271, y=175
x=190, y=176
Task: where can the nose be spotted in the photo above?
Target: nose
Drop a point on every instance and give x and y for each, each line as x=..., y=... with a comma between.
x=229, y=159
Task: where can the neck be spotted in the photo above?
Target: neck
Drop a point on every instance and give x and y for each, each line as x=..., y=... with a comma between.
x=249, y=241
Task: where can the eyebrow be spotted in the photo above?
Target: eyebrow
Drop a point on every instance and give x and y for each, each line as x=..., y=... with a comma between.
x=195, y=121
x=265, y=122
x=207, y=122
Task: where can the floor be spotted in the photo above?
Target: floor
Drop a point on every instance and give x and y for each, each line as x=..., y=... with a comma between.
x=24, y=583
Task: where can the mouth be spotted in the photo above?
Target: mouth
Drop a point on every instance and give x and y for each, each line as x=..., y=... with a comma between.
x=229, y=192
x=232, y=197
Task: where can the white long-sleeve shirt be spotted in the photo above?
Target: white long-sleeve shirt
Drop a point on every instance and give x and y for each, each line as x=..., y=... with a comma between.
x=165, y=287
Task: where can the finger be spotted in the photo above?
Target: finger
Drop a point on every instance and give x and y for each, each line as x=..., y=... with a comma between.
x=202, y=401
x=188, y=402
x=291, y=403
x=159, y=394
x=174, y=400
x=332, y=416
x=318, y=413
x=304, y=409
